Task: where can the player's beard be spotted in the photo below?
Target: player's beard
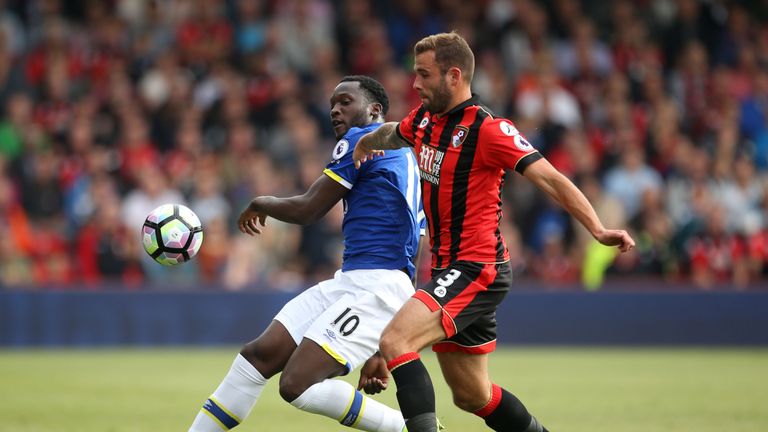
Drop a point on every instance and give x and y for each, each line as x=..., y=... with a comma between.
x=441, y=98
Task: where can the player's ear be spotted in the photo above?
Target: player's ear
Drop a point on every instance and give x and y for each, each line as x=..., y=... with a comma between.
x=454, y=75
x=375, y=109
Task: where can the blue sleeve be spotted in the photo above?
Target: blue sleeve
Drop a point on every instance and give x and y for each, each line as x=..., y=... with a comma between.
x=341, y=168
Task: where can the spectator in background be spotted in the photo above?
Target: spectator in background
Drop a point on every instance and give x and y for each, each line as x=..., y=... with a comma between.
x=628, y=181
x=526, y=39
x=11, y=32
x=105, y=247
x=716, y=255
x=303, y=28
x=41, y=194
x=18, y=243
x=136, y=150
x=694, y=21
x=545, y=100
x=741, y=196
x=583, y=56
x=205, y=37
x=11, y=72
x=252, y=26
x=13, y=126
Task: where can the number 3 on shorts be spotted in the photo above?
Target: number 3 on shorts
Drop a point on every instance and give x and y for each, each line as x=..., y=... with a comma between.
x=449, y=279
x=349, y=325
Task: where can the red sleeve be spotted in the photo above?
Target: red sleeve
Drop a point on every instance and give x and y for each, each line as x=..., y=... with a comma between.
x=503, y=146
x=405, y=127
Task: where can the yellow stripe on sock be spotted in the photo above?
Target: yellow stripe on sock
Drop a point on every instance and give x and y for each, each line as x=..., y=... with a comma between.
x=223, y=408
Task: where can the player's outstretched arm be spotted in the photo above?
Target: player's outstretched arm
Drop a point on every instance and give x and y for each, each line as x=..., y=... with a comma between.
x=559, y=187
x=373, y=143
x=301, y=209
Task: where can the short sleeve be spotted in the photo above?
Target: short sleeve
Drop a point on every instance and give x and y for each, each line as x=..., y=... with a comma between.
x=503, y=146
x=405, y=129
x=341, y=168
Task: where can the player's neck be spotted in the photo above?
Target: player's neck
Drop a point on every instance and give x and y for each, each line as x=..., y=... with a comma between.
x=458, y=98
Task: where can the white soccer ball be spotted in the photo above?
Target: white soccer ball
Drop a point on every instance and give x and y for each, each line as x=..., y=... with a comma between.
x=172, y=234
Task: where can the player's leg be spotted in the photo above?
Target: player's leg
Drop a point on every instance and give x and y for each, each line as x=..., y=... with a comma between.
x=413, y=327
x=262, y=358
x=449, y=303
x=473, y=391
x=339, y=340
x=305, y=384
x=240, y=389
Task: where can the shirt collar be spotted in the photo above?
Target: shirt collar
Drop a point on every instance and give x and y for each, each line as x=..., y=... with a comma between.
x=474, y=100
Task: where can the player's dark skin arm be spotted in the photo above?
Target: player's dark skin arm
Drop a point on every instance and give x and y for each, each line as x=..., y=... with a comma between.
x=302, y=209
x=270, y=353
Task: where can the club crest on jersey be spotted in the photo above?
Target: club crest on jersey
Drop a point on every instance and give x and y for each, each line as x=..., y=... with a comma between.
x=424, y=122
x=459, y=135
x=341, y=149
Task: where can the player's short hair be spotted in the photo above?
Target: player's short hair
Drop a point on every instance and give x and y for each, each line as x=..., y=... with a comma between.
x=374, y=91
x=450, y=50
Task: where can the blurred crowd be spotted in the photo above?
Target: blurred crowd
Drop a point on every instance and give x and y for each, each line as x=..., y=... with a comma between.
x=657, y=109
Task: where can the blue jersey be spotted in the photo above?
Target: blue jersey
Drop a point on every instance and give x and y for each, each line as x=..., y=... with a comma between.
x=382, y=210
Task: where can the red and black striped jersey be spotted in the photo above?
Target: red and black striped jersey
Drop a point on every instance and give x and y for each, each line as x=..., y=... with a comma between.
x=462, y=156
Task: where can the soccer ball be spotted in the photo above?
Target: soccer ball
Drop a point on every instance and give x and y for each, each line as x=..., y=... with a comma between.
x=172, y=234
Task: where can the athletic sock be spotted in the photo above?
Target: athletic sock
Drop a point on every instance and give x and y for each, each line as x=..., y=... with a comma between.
x=340, y=401
x=505, y=412
x=233, y=400
x=415, y=393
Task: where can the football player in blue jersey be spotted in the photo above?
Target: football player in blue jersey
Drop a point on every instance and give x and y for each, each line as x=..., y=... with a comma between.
x=335, y=325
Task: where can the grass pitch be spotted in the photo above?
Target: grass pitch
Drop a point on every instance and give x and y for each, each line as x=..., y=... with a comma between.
x=569, y=389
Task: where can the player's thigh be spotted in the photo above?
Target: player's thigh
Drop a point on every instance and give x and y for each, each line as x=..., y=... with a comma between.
x=413, y=327
x=467, y=377
x=309, y=364
x=348, y=331
x=465, y=291
x=269, y=353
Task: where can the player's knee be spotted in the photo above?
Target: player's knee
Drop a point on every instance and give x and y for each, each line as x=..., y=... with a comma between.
x=469, y=400
x=291, y=388
x=251, y=353
x=391, y=346
x=257, y=357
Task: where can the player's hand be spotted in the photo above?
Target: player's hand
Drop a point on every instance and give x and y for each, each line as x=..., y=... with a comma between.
x=247, y=222
x=363, y=151
x=374, y=375
x=618, y=238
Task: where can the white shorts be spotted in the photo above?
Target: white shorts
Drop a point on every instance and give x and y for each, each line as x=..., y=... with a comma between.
x=346, y=315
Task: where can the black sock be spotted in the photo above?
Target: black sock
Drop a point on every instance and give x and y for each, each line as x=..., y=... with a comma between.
x=505, y=412
x=415, y=394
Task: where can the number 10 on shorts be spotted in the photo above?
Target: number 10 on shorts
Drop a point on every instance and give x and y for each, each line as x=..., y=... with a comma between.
x=348, y=325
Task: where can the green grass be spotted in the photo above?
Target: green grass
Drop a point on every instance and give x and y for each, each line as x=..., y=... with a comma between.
x=569, y=389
